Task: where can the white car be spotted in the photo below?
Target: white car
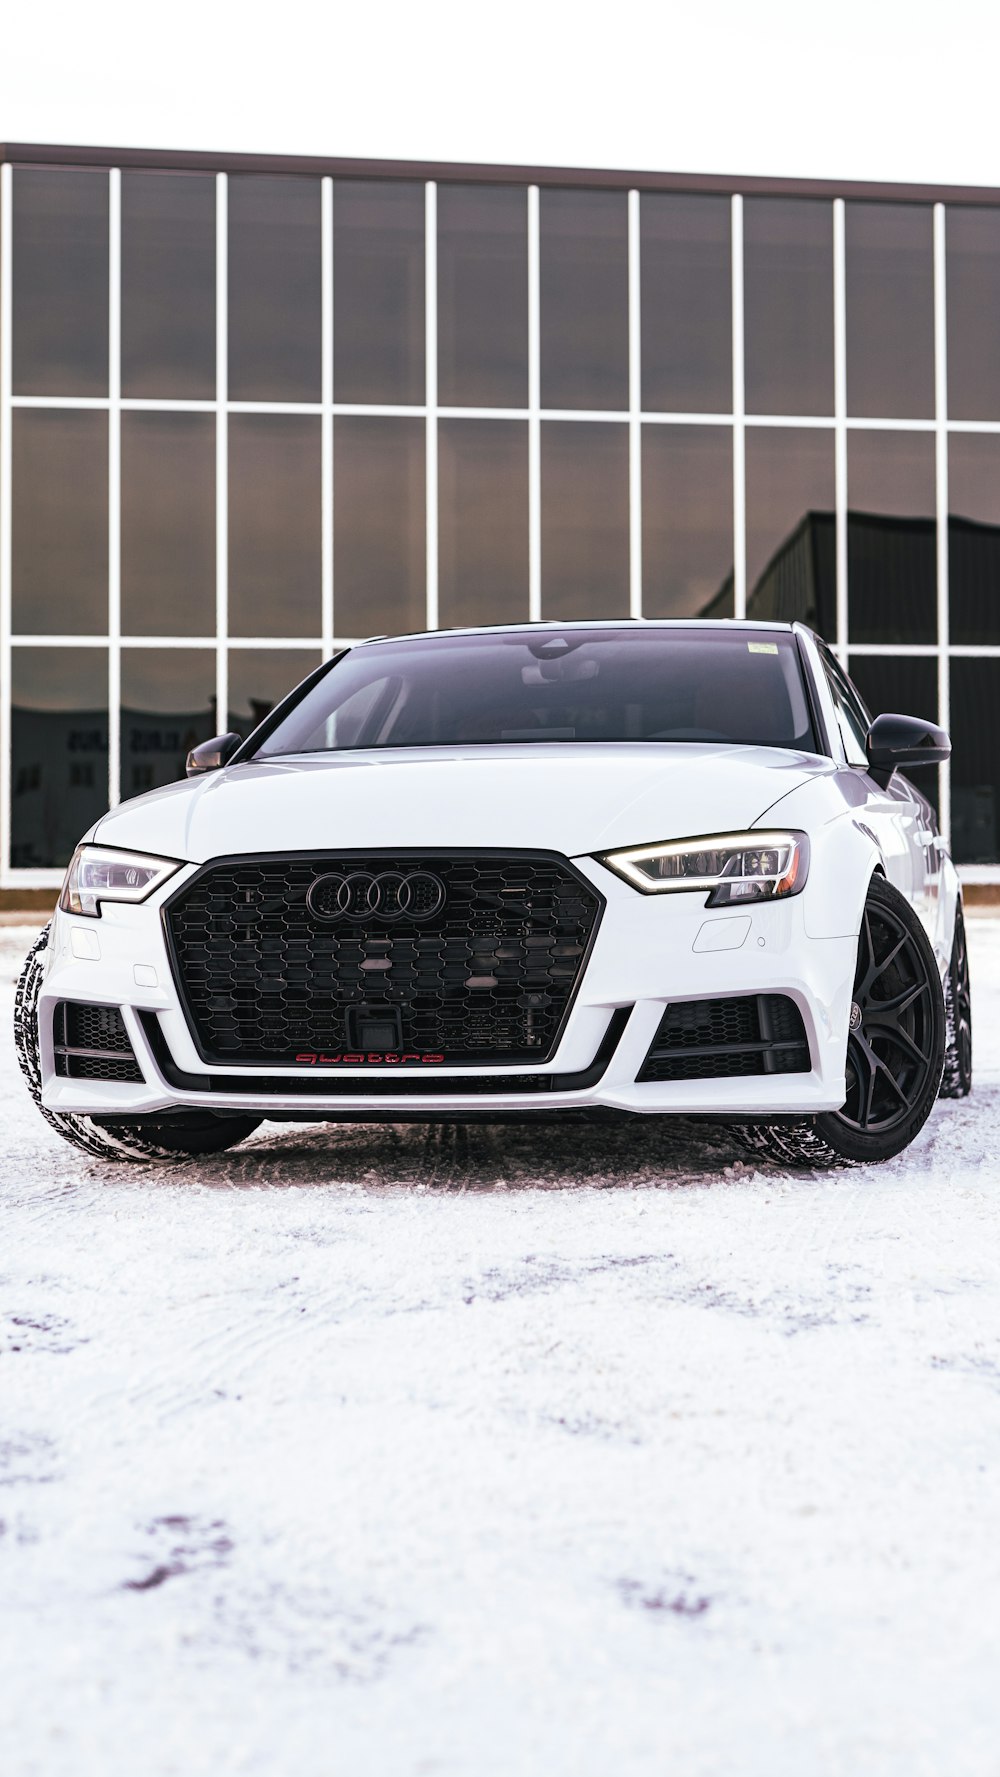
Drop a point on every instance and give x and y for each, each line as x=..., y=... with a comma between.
x=659, y=869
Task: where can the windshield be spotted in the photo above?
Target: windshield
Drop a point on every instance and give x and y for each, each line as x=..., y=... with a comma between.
x=572, y=685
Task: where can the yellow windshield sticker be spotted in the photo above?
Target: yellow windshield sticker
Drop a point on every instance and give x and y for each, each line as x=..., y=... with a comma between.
x=762, y=647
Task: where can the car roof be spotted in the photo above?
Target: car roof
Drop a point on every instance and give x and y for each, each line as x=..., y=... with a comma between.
x=722, y=625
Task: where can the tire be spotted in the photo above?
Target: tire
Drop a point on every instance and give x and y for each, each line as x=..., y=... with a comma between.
x=177, y=1136
x=956, y=1081
x=895, y=1049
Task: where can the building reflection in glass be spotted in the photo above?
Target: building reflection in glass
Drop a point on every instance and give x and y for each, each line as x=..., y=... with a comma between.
x=975, y=763
x=482, y=281
x=168, y=707
x=168, y=524
x=260, y=677
x=59, y=521
x=483, y=524
x=59, y=751
x=274, y=524
x=687, y=521
x=791, y=551
x=585, y=537
x=659, y=347
x=168, y=285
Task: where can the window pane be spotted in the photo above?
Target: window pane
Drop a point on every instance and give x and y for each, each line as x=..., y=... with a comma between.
x=788, y=305
x=791, y=549
x=59, y=745
x=60, y=294
x=584, y=520
x=687, y=339
x=60, y=521
x=895, y=684
x=891, y=537
x=379, y=526
x=483, y=526
x=275, y=542
x=260, y=677
x=274, y=289
x=890, y=310
x=973, y=261
x=168, y=707
x=975, y=761
x=974, y=536
x=584, y=298
x=687, y=521
x=482, y=275
x=168, y=285
x=378, y=291
x=168, y=524
x=898, y=685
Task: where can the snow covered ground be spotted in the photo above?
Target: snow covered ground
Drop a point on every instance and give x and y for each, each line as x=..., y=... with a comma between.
x=581, y=1453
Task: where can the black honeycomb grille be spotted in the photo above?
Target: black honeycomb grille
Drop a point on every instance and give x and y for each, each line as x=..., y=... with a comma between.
x=91, y=1043
x=486, y=977
x=723, y=1039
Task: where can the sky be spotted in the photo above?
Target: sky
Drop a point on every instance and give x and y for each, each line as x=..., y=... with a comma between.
x=878, y=90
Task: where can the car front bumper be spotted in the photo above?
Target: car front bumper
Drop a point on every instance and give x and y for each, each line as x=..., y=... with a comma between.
x=650, y=951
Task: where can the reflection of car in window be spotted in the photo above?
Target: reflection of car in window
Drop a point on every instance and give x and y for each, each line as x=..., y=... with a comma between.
x=621, y=868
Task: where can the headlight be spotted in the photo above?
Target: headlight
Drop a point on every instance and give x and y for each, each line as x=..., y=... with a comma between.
x=96, y=874
x=736, y=867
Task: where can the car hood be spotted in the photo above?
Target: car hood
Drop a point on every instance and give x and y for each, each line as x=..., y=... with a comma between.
x=573, y=799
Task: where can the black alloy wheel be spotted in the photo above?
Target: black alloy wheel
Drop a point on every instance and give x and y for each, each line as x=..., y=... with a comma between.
x=895, y=1040
x=895, y=1047
x=956, y=1081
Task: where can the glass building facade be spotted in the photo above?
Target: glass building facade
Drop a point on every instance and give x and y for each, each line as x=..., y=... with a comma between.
x=251, y=410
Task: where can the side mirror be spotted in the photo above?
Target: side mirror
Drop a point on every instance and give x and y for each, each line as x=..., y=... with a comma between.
x=212, y=755
x=895, y=741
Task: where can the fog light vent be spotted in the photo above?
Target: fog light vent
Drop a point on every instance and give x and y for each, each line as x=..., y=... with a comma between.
x=760, y=1033
x=91, y=1043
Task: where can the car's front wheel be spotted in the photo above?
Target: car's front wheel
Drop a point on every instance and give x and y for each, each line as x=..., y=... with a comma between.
x=171, y=1136
x=895, y=1048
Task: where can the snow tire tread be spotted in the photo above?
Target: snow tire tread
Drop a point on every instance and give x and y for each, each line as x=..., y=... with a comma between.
x=956, y=1080
x=104, y=1141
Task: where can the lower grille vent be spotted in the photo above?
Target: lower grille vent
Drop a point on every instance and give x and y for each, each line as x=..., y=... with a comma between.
x=91, y=1043
x=722, y=1039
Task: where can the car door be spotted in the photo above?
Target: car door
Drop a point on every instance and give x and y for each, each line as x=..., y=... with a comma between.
x=901, y=819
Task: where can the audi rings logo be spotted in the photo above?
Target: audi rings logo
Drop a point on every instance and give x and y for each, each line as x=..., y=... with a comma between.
x=363, y=895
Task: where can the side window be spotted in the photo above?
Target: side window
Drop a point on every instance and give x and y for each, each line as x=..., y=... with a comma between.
x=852, y=717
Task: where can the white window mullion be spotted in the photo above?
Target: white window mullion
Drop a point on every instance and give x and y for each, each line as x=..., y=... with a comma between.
x=326, y=423
x=840, y=424
x=114, y=484
x=6, y=313
x=534, y=413
x=430, y=349
x=221, y=451
x=739, y=422
x=941, y=479
x=634, y=407
x=901, y=650
x=98, y=402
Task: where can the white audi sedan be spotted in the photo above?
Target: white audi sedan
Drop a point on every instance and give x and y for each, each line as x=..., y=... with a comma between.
x=579, y=870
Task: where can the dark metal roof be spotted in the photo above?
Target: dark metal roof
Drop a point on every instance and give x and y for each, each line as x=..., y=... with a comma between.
x=470, y=172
